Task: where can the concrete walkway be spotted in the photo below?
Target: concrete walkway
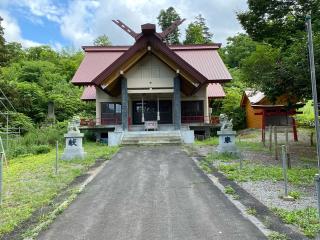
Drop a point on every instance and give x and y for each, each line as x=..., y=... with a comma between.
x=151, y=193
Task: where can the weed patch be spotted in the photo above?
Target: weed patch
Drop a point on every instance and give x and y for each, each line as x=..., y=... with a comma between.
x=297, y=176
x=229, y=190
x=306, y=219
x=208, y=141
x=277, y=236
x=30, y=182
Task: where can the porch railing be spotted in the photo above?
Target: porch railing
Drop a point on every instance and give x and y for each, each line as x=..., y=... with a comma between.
x=100, y=121
x=214, y=120
x=103, y=121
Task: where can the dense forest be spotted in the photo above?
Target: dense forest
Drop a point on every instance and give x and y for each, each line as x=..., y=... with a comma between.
x=271, y=56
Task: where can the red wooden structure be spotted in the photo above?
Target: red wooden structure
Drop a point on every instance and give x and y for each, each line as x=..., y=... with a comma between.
x=268, y=110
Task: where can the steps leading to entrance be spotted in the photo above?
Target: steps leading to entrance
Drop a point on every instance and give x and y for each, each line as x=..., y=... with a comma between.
x=151, y=137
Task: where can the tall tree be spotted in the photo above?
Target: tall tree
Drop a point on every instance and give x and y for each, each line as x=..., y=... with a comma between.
x=165, y=19
x=237, y=49
x=197, y=32
x=280, y=63
x=201, y=21
x=3, y=58
x=278, y=21
x=102, y=40
x=194, y=34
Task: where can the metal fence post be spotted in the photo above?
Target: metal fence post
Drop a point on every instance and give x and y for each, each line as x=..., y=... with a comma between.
x=284, y=167
x=275, y=142
x=57, y=156
x=317, y=180
x=314, y=94
x=270, y=138
x=1, y=175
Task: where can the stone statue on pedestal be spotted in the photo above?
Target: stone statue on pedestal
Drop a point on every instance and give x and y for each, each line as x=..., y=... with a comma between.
x=73, y=138
x=226, y=135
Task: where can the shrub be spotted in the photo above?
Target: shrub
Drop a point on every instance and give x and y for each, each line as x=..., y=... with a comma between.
x=39, y=149
x=307, y=116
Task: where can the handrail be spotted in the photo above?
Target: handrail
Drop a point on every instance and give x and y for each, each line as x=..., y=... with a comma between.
x=214, y=120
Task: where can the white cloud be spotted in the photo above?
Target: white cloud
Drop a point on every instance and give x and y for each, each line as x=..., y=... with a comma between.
x=12, y=32
x=76, y=23
x=41, y=8
x=81, y=27
x=81, y=21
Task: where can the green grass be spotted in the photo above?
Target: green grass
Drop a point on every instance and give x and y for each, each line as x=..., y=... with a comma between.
x=245, y=145
x=229, y=190
x=277, y=236
x=251, y=211
x=253, y=172
x=223, y=157
x=208, y=141
x=30, y=182
x=206, y=163
x=252, y=146
x=295, y=194
x=306, y=219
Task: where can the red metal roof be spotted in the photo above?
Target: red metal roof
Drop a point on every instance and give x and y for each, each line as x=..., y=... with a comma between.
x=215, y=90
x=207, y=62
x=93, y=64
x=89, y=93
x=203, y=58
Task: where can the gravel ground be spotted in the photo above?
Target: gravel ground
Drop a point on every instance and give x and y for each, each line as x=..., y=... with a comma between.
x=268, y=193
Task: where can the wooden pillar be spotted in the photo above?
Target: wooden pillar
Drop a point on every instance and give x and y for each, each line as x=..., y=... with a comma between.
x=177, y=102
x=263, y=128
x=294, y=127
x=124, y=104
x=275, y=142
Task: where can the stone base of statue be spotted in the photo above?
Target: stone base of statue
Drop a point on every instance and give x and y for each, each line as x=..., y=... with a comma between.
x=227, y=141
x=73, y=147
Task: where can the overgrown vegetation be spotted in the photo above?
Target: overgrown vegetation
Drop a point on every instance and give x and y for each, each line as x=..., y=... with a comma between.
x=254, y=172
x=306, y=119
x=306, y=219
x=277, y=236
x=30, y=182
x=37, y=140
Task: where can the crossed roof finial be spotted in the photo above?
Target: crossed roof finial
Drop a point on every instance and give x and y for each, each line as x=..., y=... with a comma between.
x=162, y=35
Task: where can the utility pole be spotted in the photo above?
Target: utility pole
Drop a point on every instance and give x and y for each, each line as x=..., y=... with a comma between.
x=315, y=102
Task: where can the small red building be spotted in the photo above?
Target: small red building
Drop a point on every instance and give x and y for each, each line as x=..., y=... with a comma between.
x=261, y=112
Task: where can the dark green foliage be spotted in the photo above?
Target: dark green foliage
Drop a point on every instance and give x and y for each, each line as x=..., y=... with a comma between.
x=38, y=75
x=230, y=104
x=238, y=48
x=278, y=21
x=201, y=21
x=197, y=32
x=38, y=140
x=279, y=65
x=165, y=19
x=40, y=149
x=3, y=58
x=194, y=34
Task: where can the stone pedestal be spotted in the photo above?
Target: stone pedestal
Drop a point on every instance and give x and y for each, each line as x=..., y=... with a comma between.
x=227, y=141
x=73, y=147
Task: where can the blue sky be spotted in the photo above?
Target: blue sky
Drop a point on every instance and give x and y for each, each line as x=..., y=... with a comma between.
x=73, y=23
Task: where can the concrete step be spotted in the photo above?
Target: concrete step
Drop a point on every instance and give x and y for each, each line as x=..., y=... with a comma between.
x=145, y=142
x=156, y=137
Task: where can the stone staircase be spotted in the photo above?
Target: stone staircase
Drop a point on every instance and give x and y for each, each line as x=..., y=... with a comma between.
x=151, y=137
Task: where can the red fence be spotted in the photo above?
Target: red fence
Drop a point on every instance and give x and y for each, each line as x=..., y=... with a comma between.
x=214, y=120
